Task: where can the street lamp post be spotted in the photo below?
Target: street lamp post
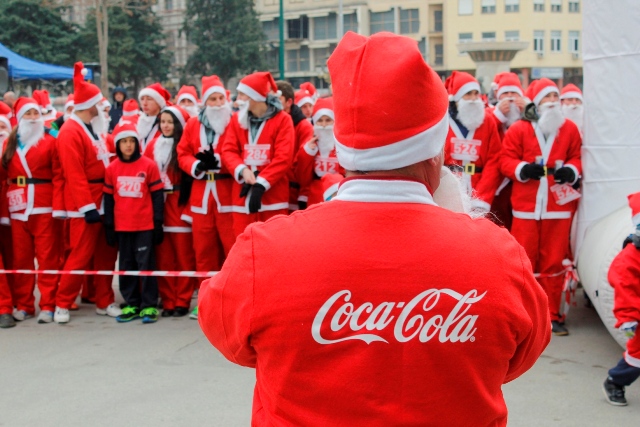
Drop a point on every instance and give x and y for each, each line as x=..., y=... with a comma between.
x=281, y=55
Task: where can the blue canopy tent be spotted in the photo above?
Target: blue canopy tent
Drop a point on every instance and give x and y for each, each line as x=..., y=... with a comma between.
x=21, y=68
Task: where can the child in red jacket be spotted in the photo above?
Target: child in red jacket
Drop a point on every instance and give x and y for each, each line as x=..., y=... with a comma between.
x=133, y=211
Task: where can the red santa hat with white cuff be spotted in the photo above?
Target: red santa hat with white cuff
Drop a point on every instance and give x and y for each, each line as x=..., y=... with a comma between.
x=372, y=129
x=187, y=92
x=130, y=108
x=258, y=85
x=538, y=89
x=85, y=94
x=5, y=111
x=23, y=104
x=323, y=107
x=157, y=93
x=634, y=204
x=213, y=84
x=69, y=102
x=43, y=100
x=571, y=91
x=181, y=114
x=124, y=130
x=306, y=95
x=509, y=82
x=459, y=83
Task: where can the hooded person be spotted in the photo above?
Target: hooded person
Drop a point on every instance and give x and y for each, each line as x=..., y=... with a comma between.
x=153, y=99
x=84, y=159
x=259, y=151
x=541, y=155
x=119, y=96
x=572, y=108
x=187, y=98
x=390, y=296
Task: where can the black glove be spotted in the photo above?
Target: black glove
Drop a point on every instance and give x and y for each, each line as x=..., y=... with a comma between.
x=302, y=205
x=110, y=233
x=245, y=189
x=532, y=171
x=208, y=160
x=92, y=216
x=564, y=175
x=158, y=233
x=255, y=201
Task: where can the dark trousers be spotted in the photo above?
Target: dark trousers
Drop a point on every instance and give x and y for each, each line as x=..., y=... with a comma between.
x=136, y=253
x=623, y=373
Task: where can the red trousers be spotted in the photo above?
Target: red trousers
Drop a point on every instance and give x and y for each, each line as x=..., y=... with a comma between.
x=6, y=250
x=176, y=254
x=546, y=243
x=213, y=237
x=6, y=302
x=85, y=241
x=501, y=208
x=36, y=237
x=241, y=221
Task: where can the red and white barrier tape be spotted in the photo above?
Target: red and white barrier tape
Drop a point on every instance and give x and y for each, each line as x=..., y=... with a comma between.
x=115, y=273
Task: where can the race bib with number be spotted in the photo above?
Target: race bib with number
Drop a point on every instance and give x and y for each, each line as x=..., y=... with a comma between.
x=17, y=200
x=564, y=193
x=257, y=155
x=166, y=182
x=130, y=186
x=465, y=150
x=325, y=165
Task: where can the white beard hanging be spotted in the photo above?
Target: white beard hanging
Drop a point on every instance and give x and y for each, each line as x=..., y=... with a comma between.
x=145, y=123
x=99, y=125
x=162, y=152
x=193, y=110
x=551, y=117
x=30, y=131
x=219, y=117
x=513, y=115
x=471, y=113
x=326, y=139
x=575, y=113
x=243, y=114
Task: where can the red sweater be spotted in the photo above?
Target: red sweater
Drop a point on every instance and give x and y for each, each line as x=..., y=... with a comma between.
x=624, y=276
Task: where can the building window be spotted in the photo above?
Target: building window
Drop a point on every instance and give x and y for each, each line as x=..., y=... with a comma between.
x=409, y=21
x=512, y=36
x=489, y=37
x=538, y=5
x=422, y=46
x=439, y=54
x=270, y=2
x=298, y=28
x=556, y=38
x=574, y=41
x=271, y=29
x=556, y=5
x=168, y=4
x=574, y=6
x=465, y=7
x=325, y=27
x=437, y=21
x=512, y=6
x=320, y=57
x=298, y=59
x=488, y=6
x=350, y=22
x=465, y=37
x=272, y=59
x=538, y=41
x=382, y=21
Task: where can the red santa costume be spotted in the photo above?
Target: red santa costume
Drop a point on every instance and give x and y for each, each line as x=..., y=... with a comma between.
x=542, y=207
x=304, y=132
x=211, y=200
x=188, y=93
x=84, y=159
x=362, y=287
x=175, y=253
x=317, y=159
x=33, y=176
x=6, y=244
x=148, y=127
x=474, y=149
x=265, y=146
x=49, y=114
x=130, y=111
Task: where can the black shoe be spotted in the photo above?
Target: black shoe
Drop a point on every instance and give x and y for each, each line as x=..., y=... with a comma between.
x=614, y=393
x=87, y=301
x=167, y=313
x=558, y=329
x=181, y=311
x=7, y=321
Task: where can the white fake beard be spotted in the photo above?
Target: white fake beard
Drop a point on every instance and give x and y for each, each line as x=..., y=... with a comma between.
x=162, y=152
x=193, y=110
x=471, y=113
x=551, y=117
x=145, y=123
x=31, y=131
x=66, y=116
x=243, y=114
x=513, y=115
x=575, y=113
x=326, y=139
x=219, y=117
x=99, y=125
x=450, y=194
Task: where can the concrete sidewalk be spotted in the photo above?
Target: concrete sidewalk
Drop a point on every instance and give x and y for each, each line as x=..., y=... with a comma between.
x=95, y=372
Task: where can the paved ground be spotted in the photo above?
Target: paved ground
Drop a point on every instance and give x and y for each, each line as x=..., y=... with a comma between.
x=94, y=372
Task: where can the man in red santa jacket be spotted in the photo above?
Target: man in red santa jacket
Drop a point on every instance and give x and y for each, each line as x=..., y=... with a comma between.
x=371, y=297
x=258, y=150
x=541, y=155
x=84, y=157
x=472, y=147
x=153, y=99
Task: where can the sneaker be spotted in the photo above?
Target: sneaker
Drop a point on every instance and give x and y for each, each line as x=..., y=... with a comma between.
x=7, y=321
x=181, y=311
x=112, y=310
x=559, y=329
x=129, y=313
x=167, y=313
x=149, y=315
x=45, y=316
x=194, y=313
x=61, y=315
x=21, y=315
x=614, y=393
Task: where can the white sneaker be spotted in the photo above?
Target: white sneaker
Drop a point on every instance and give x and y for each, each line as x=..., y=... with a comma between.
x=61, y=315
x=113, y=310
x=20, y=315
x=45, y=316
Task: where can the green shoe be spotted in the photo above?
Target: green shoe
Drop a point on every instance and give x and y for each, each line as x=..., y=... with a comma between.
x=129, y=313
x=149, y=315
x=194, y=313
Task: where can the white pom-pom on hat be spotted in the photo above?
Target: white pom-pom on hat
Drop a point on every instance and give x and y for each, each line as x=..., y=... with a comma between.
x=84, y=72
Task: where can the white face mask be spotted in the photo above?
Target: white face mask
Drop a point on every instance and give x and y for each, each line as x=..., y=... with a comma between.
x=551, y=117
x=471, y=113
x=575, y=113
x=243, y=113
x=30, y=131
x=326, y=139
x=218, y=117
